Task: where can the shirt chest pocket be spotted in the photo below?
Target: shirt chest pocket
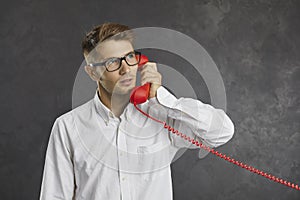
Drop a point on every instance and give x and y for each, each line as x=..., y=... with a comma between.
x=150, y=149
x=153, y=157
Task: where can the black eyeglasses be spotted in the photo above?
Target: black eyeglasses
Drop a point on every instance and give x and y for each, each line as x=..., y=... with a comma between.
x=113, y=64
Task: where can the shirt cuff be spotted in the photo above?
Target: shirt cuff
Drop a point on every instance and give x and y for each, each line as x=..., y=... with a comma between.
x=164, y=97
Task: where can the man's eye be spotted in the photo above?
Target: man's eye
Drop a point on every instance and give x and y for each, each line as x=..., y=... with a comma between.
x=131, y=55
x=112, y=62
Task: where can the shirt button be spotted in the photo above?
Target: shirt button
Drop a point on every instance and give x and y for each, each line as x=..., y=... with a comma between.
x=110, y=114
x=123, y=179
x=121, y=154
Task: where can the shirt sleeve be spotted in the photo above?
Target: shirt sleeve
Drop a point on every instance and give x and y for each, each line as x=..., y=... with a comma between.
x=58, y=176
x=198, y=120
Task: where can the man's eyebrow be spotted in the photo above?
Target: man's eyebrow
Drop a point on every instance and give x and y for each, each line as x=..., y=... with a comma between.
x=106, y=59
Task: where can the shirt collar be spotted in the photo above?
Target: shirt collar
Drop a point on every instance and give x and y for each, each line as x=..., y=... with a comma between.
x=101, y=109
x=107, y=114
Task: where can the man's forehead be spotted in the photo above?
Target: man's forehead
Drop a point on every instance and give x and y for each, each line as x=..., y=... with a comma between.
x=113, y=48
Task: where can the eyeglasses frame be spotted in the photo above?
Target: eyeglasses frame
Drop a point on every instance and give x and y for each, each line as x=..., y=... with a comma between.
x=120, y=58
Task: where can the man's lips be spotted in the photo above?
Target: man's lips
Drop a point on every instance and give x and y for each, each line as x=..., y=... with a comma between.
x=126, y=80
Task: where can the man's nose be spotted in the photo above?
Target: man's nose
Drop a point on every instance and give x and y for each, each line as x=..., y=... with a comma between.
x=125, y=68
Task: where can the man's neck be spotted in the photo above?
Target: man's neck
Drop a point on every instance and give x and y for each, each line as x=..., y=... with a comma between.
x=115, y=103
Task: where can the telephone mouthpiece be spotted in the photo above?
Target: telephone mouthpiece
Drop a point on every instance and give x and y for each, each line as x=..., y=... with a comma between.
x=140, y=94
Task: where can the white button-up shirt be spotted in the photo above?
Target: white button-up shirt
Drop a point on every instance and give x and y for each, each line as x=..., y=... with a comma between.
x=93, y=155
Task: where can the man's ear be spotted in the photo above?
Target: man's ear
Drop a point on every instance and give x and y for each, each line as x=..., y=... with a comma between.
x=92, y=73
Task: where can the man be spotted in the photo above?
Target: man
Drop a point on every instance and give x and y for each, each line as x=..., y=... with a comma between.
x=105, y=148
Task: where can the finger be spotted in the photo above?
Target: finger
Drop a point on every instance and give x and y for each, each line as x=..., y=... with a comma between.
x=151, y=79
x=149, y=66
x=149, y=71
x=151, y=75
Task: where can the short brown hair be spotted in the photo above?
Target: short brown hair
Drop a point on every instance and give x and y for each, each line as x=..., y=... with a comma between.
x=103, y=32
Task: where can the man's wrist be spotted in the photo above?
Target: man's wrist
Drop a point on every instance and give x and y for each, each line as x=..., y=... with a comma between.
x=153, y=90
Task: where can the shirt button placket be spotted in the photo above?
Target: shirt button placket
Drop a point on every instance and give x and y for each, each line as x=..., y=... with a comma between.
x=124, y=184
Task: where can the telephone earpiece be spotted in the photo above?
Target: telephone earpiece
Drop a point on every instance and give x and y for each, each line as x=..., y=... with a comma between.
x=140, y=94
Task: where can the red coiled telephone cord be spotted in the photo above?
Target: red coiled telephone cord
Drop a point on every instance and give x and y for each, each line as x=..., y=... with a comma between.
x=223, y=156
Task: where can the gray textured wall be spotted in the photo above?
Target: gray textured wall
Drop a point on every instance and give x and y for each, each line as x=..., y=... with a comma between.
x=255, y=44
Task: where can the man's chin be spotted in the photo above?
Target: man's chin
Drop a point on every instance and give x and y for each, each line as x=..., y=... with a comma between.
x=123, y=90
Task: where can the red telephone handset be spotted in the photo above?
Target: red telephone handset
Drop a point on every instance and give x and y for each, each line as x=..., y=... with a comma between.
x=140, y=94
